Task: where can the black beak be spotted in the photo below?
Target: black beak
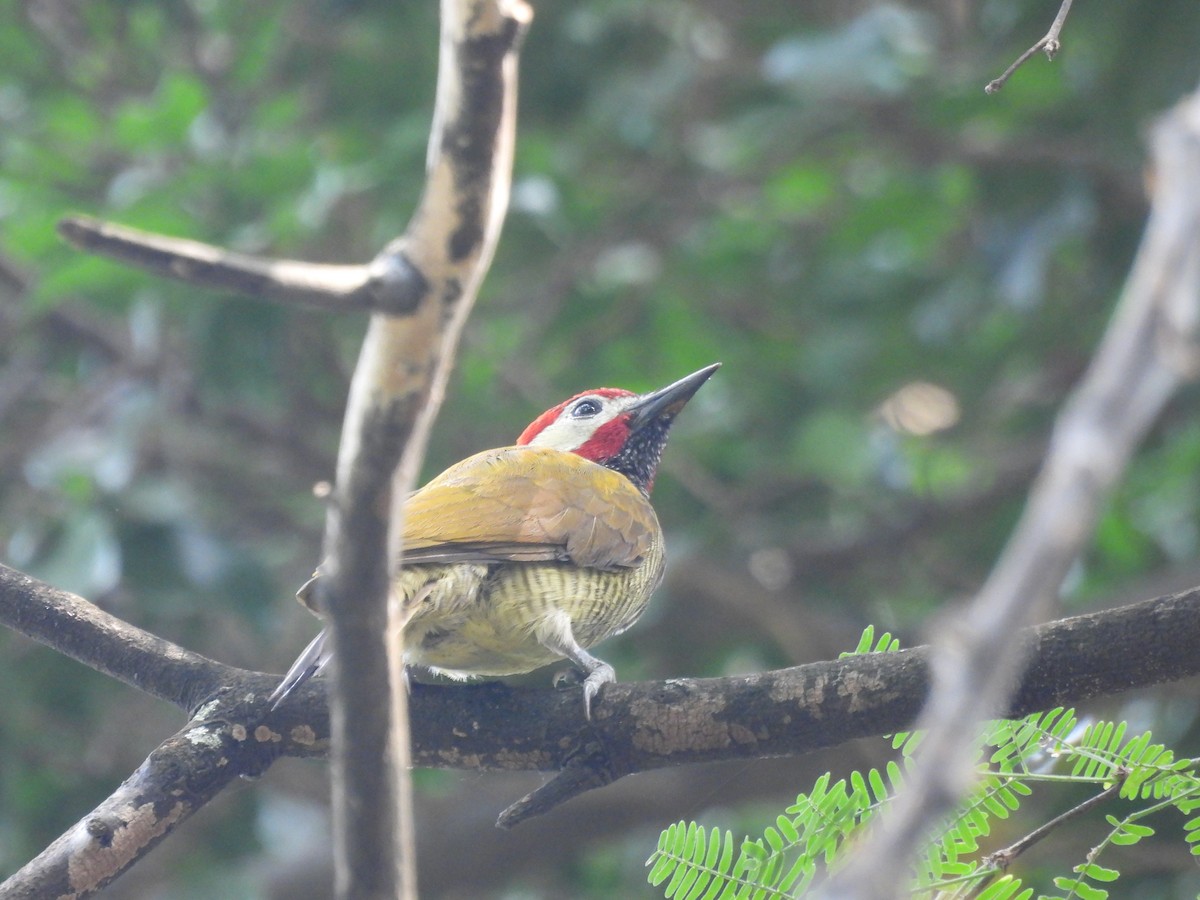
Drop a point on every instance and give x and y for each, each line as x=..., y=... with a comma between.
x=666, y=402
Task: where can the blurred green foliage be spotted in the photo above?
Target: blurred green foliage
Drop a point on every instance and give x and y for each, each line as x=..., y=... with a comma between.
x=819, y=195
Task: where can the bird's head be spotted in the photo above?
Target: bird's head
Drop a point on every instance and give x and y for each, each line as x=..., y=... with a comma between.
x=616, y=428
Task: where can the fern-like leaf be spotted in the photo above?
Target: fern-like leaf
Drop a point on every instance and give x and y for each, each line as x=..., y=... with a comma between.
x=695, y=863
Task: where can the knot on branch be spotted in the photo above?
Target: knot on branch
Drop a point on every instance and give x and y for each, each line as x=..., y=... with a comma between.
x=396, y=286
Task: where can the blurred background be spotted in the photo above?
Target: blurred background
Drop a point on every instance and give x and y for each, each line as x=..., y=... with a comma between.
x=902, y=277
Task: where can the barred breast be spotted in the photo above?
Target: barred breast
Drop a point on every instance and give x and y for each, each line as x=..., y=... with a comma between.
x=483, y=619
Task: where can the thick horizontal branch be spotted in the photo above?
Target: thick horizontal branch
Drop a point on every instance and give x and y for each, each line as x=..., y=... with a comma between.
x=788, y=712
x=83, y=631
x=649, y=725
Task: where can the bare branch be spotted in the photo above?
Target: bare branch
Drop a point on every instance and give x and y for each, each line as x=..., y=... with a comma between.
x=472, y=143
x=176, y=780
x=84, y=632
x=420, y=288
x=652, y=725
x=1049, y=43
x=789, y=712
x=401, y=374
x=1148, y=350
x=583, y=771
x=289, y=281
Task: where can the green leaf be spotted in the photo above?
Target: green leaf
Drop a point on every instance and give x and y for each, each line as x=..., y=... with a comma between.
x=858, y=786
x=721, y=866
x=679, y=838
x=1097, y=872
x=1004, y=888
x=865, y=642
x=879, y=790
x=754, y=850
x=787, y=829
x=663, y=866
x=1080, y=888
x=714, y=848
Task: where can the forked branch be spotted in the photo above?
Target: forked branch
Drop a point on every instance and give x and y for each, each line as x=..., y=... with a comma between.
x=396, y=391
x=419, y=289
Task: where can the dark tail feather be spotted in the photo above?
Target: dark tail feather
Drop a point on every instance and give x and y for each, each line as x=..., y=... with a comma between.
x=314, y=658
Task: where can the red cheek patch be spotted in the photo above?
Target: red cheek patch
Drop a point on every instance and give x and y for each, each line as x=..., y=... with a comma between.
x=607, y=441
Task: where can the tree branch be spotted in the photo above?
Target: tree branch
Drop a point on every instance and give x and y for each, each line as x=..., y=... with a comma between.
x=1148, y=350
x=420, y=288
x=330, y=287
x=84, y=632
x=789, y=712
x=1048, y=43
x=651, y=725
x=1000, y=860
x=175, y=781
x=396, y=391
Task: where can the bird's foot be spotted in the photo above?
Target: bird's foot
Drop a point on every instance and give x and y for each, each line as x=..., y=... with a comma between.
x=556, y=636
x=567, y=678
x=600, y=674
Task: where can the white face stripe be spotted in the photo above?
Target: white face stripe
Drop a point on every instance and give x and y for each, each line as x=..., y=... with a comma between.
x=569, y=433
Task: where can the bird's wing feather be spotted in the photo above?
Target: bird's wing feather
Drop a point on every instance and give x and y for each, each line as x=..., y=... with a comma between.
x=529, y=504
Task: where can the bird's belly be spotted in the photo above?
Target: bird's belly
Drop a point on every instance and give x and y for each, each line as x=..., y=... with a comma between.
x=486, y=623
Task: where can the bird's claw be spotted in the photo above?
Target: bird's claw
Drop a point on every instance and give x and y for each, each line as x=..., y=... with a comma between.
x=567, y=678
x=600, y=675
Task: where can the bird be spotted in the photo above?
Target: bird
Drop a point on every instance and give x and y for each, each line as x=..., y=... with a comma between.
x=525, y=555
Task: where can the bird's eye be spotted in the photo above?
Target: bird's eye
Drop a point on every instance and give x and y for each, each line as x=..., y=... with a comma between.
x=585, y=409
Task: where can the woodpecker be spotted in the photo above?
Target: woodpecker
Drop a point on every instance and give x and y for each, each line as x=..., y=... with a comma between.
x=521, y=556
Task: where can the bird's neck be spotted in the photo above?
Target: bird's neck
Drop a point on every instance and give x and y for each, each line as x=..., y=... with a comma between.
x=638, y=458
